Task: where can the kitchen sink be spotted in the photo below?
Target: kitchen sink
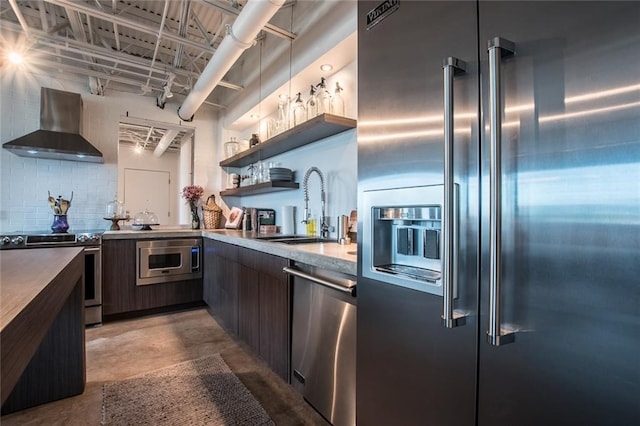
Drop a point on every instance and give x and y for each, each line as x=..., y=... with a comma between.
x=304, y=240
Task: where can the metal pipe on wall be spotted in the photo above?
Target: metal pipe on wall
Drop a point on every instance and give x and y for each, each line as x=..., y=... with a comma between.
x=251, y=20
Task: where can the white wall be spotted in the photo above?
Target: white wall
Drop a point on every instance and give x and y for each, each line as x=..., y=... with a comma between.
x=25, y=181
x=335, y=156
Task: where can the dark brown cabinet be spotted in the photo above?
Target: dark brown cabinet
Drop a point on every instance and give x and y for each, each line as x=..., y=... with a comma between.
x=247, y=291
x=120, y=295
x=220, y=278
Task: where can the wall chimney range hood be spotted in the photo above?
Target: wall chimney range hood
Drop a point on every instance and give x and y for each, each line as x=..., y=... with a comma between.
x=59, y=135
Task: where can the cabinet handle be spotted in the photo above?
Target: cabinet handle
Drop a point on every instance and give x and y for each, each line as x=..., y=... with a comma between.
x=450, y=319
x=497, y=47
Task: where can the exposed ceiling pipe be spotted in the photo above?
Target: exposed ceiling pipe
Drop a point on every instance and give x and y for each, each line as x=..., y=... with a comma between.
x=251, y=20
x=164, y=142
x=231, y=10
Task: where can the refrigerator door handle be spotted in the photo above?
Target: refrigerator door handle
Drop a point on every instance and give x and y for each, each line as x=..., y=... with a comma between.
x=450, y=318
x=498, y=47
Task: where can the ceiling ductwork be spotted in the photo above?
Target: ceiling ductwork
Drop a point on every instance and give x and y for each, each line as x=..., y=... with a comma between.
x=165, y=142
x=240, y=36
x=59, y=135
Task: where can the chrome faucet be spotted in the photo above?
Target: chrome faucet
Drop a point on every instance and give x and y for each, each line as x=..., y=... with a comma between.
x=324, y=227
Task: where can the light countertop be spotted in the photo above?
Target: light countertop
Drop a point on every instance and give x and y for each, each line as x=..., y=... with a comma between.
x=129, y=232
x=329, y=255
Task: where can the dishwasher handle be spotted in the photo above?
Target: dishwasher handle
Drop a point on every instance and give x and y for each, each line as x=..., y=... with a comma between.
x=351, y=290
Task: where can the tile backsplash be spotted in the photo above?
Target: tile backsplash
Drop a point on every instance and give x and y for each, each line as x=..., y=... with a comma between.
x=25, y=182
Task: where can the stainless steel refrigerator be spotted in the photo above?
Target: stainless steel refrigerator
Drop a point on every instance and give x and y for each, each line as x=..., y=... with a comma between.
x=499, y=197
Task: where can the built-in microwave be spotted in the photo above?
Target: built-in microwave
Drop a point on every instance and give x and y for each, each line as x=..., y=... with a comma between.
x=162, y=261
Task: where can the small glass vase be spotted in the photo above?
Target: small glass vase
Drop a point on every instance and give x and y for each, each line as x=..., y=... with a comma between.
x=195, y=219
x=60, y=224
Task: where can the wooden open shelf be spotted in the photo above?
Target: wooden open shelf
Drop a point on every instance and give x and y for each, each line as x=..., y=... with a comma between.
x=260, y=188
x=317, y=128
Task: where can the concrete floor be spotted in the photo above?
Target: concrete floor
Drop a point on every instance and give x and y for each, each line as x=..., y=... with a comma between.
x=122, y=349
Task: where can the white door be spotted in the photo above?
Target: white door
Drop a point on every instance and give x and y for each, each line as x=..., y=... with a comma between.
x=147, y=189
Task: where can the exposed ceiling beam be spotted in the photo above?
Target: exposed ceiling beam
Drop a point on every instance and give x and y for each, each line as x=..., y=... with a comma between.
x=159, y=37
x=77, y=27
x=23, y=22
x=75, y=46
x=185, y=12
x=129, y=23
x=86, y=72
x=43, y=16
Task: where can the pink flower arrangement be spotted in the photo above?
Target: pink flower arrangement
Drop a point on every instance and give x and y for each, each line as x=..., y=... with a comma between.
x=192, y=193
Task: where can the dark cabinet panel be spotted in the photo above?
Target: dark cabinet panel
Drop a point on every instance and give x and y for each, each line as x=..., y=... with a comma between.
x=221, y=275
x=118, y=276
x=249, y=307
x=247, y=291
x=120, y=293
x=274, y=322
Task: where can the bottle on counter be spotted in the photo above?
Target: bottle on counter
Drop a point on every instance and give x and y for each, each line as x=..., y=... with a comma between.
x=312, y=226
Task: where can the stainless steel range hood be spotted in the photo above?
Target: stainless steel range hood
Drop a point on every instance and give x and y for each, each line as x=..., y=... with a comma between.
x=59, y=135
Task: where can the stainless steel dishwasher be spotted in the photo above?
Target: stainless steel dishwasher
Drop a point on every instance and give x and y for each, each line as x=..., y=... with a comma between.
x=323, y=342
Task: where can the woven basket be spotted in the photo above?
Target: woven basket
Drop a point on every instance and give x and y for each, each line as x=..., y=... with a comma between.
x=211, y=213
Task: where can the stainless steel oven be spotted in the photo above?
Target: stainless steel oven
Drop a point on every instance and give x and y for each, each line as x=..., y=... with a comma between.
x=162, y=261
x=92, y=243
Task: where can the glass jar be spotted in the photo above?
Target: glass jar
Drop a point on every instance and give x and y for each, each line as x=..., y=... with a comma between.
x=231, y=148
x=271, y=128
x=115, y=209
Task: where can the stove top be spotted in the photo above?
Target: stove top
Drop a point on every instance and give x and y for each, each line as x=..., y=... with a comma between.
x=34, y=239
